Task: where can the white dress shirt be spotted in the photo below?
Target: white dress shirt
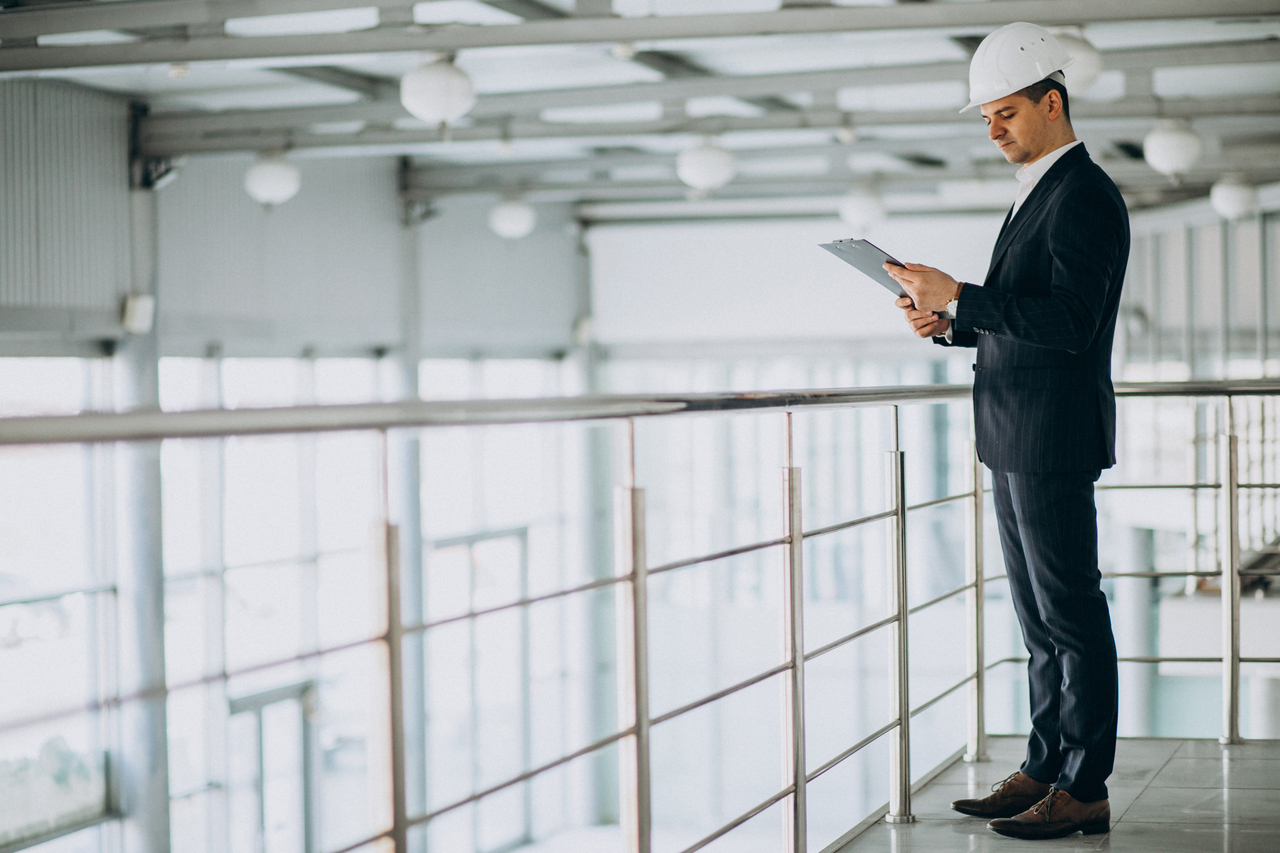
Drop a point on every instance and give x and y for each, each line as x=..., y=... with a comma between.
x=1028, y=176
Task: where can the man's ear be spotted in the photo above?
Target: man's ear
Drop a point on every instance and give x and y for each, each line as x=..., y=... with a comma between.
x=1055, y=104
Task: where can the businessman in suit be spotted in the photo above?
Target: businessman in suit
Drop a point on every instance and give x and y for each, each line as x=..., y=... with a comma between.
x=1044, y=407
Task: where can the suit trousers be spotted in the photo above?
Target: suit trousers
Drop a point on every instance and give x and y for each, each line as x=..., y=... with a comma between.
x=1049, y=533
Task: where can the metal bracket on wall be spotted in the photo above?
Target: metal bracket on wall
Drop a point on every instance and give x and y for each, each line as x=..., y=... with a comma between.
x=146, y=172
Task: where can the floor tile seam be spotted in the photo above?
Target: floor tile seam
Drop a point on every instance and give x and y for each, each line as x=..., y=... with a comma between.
x=1149, y=781
x=1167, y=787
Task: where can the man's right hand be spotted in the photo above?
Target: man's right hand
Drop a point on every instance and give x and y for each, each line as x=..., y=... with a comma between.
x=925, y=324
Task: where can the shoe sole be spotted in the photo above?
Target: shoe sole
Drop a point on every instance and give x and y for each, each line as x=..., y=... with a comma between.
x=1099, y=828
x=989, y=815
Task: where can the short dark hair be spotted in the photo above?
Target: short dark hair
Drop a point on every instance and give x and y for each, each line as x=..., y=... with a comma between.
x=1036, y=92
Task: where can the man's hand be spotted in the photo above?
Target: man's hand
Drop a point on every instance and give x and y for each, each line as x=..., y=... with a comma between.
x=930, y=289
x=925, y=324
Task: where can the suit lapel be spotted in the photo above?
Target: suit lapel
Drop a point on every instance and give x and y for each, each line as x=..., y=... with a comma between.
x=1014, y=224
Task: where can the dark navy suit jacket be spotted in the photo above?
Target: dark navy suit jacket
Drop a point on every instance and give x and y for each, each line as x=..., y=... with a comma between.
x=1043, y=322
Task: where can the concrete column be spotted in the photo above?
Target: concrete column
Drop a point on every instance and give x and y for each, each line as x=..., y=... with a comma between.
x=1131, y=622
x=143, y=779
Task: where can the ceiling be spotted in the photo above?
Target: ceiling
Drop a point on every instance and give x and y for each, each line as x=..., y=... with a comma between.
x=590, y=100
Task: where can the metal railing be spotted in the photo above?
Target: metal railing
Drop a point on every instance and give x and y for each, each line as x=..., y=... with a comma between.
x=632, y=574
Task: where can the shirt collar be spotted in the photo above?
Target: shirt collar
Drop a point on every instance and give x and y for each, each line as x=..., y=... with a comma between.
x=1033, y=172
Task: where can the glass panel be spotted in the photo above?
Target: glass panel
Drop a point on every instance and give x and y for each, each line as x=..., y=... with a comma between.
x=51, y=776
x=849, y=792
x=265, y=608
x=937, y=732
x=710, y=482
x=847, y=696
x=348, y=491
x=712, y=625
x=36, y=640
x=45, y=512
x=716, y=762
x=282, y=781
x=938, y=650
x=846, y=579
x=263, y=511
x=244, y=801
x=936, y=556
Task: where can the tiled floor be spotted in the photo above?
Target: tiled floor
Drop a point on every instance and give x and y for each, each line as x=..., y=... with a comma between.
x=1167, y=796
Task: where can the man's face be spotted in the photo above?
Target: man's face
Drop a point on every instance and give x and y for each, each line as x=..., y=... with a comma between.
x=1020, y=128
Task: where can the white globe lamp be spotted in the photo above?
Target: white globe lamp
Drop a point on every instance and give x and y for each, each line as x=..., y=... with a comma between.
x=1172, y=147
x=513, y=219
x=1233, y=197
x=1086, y=62
x=272, y=180
x=860, y=210
x=706, y=167
x=437, y=93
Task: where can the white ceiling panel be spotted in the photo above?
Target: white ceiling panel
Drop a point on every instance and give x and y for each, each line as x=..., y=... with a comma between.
x=816, y=52
x=88, y=37
x=253, y=98
x=903, y=97
x=526, y=69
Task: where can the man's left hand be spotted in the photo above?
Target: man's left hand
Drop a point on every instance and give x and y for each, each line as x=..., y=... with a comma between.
x=930, y=289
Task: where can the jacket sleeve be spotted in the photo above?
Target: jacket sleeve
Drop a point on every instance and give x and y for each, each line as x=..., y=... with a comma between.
x=1085, y=238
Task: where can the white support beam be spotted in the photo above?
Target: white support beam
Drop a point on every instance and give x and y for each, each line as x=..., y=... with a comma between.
x=1134, y=114
x=1128, y=174
x=749, y=86
x=606, y=30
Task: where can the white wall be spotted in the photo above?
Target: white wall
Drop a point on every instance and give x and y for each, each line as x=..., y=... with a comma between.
x=764, y=280
x=483, y=295
x=323, y=270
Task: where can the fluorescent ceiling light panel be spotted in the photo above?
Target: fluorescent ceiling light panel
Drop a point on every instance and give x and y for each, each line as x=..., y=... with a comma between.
x=721, y=106
x=776, y=167
x=87, y=37
x=645, y=111
x=304, y=23
x=461, y=12
x=1217, y=81
x=648, y=8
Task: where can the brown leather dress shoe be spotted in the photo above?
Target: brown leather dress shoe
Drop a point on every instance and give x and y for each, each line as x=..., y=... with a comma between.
x=1057, y=815
x=1013, y=796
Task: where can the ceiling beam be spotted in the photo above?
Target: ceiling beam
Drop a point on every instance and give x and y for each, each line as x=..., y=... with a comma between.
x=577, y=30
x=1136, y=114
x=191, y=124
x=367, y=87
x=1129, y=175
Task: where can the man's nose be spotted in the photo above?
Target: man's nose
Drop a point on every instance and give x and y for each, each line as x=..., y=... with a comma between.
x=994, y=130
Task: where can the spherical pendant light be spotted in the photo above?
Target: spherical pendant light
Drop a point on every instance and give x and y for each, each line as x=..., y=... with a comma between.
x=1233, y=197
x=1086, y=62
x=437, y=93
x=1172, y=147
x=861, y=209
x=513, y=219
x=706, y=167
x=272, y=180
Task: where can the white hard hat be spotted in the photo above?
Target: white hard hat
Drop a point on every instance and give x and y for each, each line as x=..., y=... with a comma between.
x=1011, y=59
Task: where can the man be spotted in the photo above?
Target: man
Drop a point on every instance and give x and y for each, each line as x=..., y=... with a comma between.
x=1044, y=409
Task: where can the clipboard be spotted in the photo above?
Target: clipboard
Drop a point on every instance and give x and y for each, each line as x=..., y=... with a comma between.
x=868, y=259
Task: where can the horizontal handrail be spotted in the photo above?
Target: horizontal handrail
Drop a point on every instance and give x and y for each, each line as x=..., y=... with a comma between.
x=150, y=424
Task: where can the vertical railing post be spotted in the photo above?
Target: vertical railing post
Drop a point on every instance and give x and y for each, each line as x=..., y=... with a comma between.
x=793, y=616
x=633, y=654
x=900, y=746
x=977, y=740
x=1229, y=539
x=395, y=667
